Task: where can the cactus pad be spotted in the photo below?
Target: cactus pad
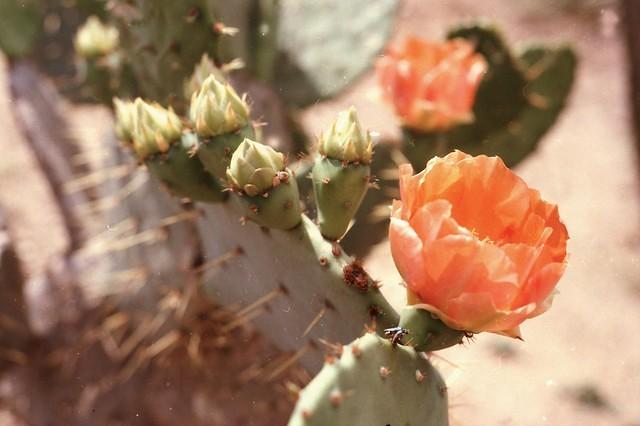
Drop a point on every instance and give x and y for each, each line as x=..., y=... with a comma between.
x=318, y=291
x=374, y=383
x=170, y=35
x=183, y=173
x=326, y=45
x=339, y=189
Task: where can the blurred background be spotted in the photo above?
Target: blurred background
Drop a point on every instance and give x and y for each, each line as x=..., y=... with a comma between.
x=578, y=364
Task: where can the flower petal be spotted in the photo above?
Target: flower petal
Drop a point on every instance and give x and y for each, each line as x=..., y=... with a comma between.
x=492, y=251
x=406, y=250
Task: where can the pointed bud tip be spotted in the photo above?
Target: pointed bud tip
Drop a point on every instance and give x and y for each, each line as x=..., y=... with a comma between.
x=346, y=140
x=154, y=128
x=218, y=107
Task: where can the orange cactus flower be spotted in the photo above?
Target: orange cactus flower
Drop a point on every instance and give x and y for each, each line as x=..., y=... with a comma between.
x=431, y=86
x=476, y=246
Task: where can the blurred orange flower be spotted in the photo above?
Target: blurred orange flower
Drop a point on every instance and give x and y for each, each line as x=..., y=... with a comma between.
x=432, y=86
x=476, y=246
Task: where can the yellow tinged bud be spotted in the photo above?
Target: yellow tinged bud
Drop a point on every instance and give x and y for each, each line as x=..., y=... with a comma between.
x=346, y=140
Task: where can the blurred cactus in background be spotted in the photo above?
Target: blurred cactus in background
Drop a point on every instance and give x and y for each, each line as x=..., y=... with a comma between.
x=232, y=224
x=503, y=109
x=94, y=39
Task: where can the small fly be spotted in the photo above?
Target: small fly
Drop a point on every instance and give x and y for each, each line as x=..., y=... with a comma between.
x=396, y=334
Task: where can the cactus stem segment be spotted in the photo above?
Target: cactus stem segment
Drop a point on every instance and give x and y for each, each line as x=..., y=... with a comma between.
x=258, y=175
x=183, y=173
x=341, y=174
x=373, y=383
x=424, y=332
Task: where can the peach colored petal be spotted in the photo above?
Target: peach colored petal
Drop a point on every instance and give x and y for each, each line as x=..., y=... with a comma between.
x=407, y=253
x=433, y=220
x=482, y=250
x=468, y=265
x=512, y=332
x=541, y=285
x=431, y=86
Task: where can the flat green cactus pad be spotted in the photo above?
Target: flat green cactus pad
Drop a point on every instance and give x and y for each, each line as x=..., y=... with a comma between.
x=183, y=173
x=374, y=383
x=500, y=95
x=551, y=73
x=20, y=25
x=326, y=44
x=315, y=290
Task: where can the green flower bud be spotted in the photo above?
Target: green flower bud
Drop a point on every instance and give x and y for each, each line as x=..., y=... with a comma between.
x=125, y=119
x=255, y=167
x=95, y=39
x=203, y=69
x=217, y=109
x=155, y=128
x=346, y=140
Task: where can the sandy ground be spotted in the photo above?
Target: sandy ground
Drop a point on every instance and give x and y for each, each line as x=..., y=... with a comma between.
x=580, y=362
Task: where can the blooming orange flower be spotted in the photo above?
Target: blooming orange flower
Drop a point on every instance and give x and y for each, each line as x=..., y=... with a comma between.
x=432, y=86
x=475, y=245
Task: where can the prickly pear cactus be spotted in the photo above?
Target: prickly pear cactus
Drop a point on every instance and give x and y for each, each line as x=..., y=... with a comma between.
x=223, y=211
x=517, y=101
x=372, y=382
x=258, y=250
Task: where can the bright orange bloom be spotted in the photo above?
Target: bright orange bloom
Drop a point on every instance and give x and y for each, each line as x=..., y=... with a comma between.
x=475, y=245
x=432, y=86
